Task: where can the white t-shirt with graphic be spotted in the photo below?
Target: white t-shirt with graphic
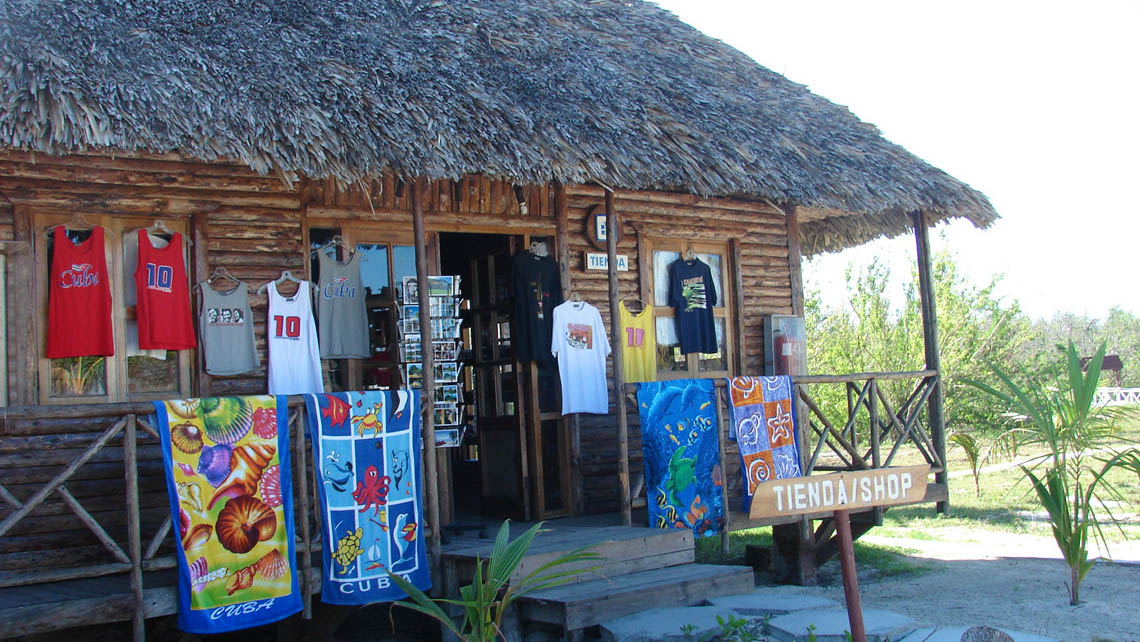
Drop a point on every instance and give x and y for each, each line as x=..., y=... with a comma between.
x=579, y=342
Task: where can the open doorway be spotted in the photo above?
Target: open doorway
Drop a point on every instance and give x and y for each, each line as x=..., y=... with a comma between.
x=514, y=460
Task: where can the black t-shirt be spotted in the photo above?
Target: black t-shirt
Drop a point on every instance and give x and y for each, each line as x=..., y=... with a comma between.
x=537, y=289
x=693, y=295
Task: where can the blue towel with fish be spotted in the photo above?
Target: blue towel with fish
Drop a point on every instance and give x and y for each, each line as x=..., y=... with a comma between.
x=367, y=458
x=683, y=478
x=230, y=486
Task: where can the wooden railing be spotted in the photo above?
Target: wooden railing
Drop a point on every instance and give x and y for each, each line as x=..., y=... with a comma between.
x=1117, y=397
x=125, y=421
x=872, y=434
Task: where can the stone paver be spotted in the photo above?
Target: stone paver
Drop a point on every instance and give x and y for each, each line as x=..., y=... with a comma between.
x=954, y=634
x=766, y=602
x=665, y=624
x=831, y=625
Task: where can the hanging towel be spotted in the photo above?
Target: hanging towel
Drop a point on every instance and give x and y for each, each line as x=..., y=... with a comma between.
x=366, y=453
x=683, y=479
x=230, y=487
x=764, y=421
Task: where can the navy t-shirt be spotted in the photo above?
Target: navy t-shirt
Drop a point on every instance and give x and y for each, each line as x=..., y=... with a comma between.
x=693, y=295
x=537, y=288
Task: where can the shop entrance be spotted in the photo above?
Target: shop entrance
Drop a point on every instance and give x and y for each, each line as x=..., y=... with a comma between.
x=514, y=459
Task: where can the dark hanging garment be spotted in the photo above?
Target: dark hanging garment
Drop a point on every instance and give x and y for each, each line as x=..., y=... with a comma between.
x=537, y=290
x=693, y=296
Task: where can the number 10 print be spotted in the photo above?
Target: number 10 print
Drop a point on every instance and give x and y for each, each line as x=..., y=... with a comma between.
x=291, y=325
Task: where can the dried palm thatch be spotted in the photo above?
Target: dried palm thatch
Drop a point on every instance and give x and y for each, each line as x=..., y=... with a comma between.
x=617, y=92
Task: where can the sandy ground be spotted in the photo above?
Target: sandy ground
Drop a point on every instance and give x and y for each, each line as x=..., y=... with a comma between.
x=1008, y=580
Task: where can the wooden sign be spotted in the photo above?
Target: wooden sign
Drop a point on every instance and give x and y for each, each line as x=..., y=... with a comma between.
x=595, y=230
x=600, y=261
x=840, y=491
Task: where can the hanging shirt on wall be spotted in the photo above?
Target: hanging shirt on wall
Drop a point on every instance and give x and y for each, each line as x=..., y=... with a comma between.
x=537, y=290
x=581, y=346
x=294, y=361
x=639, y=344
x=163, y=308
x=226, y=328
x=693, y=296
x=79, y=304
x=342, y=320
x=130, y=298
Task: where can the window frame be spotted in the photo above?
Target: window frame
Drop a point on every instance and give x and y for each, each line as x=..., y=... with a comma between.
x=357, y=232
x=116, y=367
x=725, y=310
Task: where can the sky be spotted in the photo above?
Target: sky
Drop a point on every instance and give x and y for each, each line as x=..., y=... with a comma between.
x=1036, y=104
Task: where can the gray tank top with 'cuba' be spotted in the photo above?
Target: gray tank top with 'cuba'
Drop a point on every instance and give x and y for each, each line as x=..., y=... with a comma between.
x=226, y=329
x=342, y=321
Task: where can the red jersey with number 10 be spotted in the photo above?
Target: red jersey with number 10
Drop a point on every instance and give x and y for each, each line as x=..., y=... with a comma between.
x=79, y=304
x=163, y=308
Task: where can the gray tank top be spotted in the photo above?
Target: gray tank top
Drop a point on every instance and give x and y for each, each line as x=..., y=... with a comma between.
x=226, y=329
x=342, y=322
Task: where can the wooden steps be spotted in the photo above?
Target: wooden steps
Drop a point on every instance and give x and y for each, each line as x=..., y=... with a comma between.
x=584, y=604
x=642, y=568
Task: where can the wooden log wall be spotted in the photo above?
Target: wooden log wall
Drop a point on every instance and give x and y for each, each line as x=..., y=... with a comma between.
x=253, y=225
x=765, y=277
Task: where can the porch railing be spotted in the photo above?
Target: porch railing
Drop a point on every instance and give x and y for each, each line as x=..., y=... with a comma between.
x=1113, y=396
x=125, y=421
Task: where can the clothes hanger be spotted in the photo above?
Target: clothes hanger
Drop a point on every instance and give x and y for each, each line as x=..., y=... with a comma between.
x=286, y=275
x=538, y=248
x=575, y=297
x=78, y=222
x=690, y=254
x=160, y=227
x=223, y=274
x=337, y=241
x=640, y=305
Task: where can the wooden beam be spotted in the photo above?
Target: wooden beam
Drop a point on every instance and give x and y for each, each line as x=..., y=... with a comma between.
x=200, y=264
x=612, y=224
x=427, y=386
x=22, y=375
x=134, y=528
x=930, y=342
x=562, y=236
x=739, y=367
x=300, y=472
x=794, y=258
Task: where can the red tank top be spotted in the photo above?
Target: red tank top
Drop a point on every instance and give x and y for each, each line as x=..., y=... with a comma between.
x=163, y=307
x=79, y=299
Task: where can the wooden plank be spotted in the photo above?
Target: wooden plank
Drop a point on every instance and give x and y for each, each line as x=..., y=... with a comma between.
x=427, y=389
x=577, y=606
x=613, y=224
x=737, y=294
x=134, y=536
x=930, y=343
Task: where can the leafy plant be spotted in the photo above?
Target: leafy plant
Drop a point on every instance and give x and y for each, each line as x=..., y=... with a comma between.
x=735, y=629
x=491, y=593
x=973, y=451
x=1075, y=434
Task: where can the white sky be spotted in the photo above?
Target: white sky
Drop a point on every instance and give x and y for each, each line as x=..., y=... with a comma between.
x=1036, y=104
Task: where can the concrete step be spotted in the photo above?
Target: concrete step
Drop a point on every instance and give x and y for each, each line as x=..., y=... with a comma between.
x=832, y=625
x=765, y=602
x=583, y=604
x=669, y=624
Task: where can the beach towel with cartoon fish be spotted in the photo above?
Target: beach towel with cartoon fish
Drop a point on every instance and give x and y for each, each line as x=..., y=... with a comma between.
x=764, y=422
x=679, y=437
x=229, y=481
x=366, y=453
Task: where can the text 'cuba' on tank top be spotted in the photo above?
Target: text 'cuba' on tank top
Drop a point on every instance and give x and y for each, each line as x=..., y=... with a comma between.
x=342, y=319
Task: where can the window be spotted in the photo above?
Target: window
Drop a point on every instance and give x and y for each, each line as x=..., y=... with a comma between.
x=131, y=374
x=671, y=364
x=387, y=257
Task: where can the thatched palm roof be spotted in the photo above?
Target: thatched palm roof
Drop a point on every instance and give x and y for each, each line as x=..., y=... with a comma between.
x=617, y=92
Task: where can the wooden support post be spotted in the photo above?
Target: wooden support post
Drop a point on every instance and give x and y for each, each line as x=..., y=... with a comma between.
x=300, y=482
x=134, y=532
x=794, y=545
x=850, y=579
x=427, y=386
x=562, y=236
x=22, y=376
x=723, y=412
x=930, y=342
x=199, y=260
x=612, y=223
